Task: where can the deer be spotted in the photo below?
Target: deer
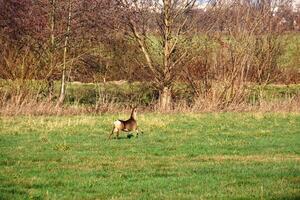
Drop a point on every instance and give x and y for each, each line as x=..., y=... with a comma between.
x=126, y=125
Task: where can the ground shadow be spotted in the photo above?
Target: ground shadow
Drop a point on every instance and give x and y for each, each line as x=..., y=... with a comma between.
x=128, y=136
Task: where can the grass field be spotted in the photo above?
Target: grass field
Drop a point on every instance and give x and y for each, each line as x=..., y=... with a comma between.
x=184, y=156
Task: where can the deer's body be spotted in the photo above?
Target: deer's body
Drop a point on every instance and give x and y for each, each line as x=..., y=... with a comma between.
x=125, y=125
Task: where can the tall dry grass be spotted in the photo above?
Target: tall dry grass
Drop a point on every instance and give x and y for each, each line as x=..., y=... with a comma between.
x=22, y=104
x=289, y=105
x=33, y=106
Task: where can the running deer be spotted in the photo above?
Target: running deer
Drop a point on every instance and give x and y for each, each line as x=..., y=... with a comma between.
x=126, y=125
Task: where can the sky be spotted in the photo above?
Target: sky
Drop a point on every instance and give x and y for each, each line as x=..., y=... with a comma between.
x=205, y=1
x=295, y=2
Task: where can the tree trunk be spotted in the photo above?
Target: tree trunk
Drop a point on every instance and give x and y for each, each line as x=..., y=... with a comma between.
x=165, y=99
x=52, y=47
x=63, y=77
x=52, y=32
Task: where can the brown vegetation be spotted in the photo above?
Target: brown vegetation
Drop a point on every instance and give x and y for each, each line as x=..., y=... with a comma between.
x=218, y=50
x=31, y=105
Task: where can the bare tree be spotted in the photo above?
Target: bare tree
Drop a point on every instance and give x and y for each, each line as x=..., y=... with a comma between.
x=162, y=58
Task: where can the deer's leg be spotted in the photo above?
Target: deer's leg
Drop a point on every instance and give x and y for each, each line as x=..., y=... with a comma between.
x=141, y=131
x=137, y=132
x=118, y=132
x=114, y=130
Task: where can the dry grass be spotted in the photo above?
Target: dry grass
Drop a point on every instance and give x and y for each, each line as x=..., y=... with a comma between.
x=206, y=105
x=285, y=105
x=249, y=158
x=20, y=105
x=33, y=105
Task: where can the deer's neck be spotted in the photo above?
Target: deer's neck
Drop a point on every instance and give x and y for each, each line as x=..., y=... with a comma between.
x=133, y=115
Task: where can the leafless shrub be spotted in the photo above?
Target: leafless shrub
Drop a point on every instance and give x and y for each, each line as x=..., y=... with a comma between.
x=241, y=46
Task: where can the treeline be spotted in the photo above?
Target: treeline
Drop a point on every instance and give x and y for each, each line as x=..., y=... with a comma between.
x=217, y=49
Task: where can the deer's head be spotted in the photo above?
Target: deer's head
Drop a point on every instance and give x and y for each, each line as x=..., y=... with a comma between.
x=134, y=112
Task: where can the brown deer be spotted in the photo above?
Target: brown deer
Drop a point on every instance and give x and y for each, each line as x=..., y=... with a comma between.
x=126, y=125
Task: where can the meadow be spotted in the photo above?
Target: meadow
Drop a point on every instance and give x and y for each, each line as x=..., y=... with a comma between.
x=179, y=156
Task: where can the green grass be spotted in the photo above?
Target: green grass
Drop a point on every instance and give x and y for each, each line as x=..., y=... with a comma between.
x=290, y=54
x=191, y=156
